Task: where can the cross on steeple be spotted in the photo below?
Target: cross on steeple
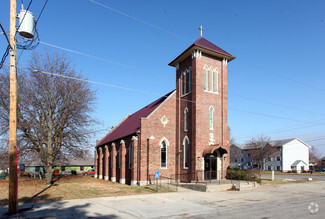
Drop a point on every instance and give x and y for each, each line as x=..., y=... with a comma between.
x=201, y=30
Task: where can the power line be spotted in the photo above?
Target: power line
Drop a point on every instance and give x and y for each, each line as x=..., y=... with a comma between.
x=290, y=128
x=283, y=76
x=41, y=11
x=274, y=104
x=30, y=42
x=156, y=94
x=140, y=20
x=101, y=59
x=157, y=74
x=167, y=31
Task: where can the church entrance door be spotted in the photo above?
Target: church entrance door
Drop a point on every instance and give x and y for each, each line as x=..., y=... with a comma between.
x=210, y=170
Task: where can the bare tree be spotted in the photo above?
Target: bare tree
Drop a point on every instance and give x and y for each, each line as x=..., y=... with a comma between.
x=314, y=157
x=53, y=113
x=4, y=155
x=259, y=150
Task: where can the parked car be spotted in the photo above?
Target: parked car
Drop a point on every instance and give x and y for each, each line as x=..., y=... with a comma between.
x=320, y=169
x=89, y=172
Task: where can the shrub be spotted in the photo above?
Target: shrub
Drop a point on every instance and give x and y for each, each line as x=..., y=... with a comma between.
x=238, y=174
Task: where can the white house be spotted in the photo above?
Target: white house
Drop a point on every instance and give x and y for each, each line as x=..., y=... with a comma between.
x=286, y=155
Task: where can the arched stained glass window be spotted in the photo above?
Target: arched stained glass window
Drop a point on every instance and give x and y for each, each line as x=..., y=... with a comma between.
x=216, y=83
x=206, y=78
x=190, y=79
x=163, y=154
x=182, y=83
x=186, y=152
x=185, y=119
x=211, y=111
x=211, y=79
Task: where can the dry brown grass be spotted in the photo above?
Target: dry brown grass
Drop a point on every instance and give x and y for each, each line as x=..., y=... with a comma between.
x=70, y=187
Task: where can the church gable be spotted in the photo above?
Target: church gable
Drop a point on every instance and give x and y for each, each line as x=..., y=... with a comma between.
x=159, y=128
x=131, y=124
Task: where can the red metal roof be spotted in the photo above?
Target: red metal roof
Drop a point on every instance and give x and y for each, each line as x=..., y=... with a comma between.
x=201, y=42
x=205, y=44
x=131, y=124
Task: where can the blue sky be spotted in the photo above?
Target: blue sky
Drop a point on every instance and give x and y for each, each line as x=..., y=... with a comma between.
x=275, y=84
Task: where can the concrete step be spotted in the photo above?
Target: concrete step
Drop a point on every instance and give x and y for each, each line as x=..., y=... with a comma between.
x=245, y=186
x=218, y=188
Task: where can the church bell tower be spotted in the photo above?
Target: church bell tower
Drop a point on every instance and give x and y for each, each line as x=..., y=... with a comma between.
x=203, y=134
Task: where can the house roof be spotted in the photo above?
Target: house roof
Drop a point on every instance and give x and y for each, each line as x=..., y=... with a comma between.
x=207, y=47
x=297, y=162
x=131, y=124
x=281, y=142
x=272, y=143
x=240, y=146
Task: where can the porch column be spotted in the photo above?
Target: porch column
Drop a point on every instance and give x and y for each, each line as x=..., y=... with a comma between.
x=96, y=163
x=100, y=163
x=134, y=164
x=122, y=164
x=113, y=176
x=106, y=162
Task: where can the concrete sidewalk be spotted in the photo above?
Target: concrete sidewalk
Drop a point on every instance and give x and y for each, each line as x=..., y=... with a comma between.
x=278, y=201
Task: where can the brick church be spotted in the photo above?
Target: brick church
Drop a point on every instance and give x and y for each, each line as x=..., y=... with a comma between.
x=184, y=135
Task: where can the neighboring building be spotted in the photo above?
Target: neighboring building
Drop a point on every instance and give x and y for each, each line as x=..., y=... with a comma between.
x=322, y=160
x=184, y=135
x=282, y=155
x=64, y=165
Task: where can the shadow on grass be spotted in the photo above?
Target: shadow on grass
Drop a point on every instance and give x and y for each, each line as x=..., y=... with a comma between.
x=37, y=197
x=54, y=210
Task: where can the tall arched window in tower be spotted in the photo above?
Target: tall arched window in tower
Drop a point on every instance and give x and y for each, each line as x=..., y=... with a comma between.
x=163, y=154
x=130, y=155
x=211, y=112
x=190, y=79
x=185, y=119
x=182, y=83
x=206, y=78
x=216, y=81
x=187, y=84
x=186, y=143
x=211, y=79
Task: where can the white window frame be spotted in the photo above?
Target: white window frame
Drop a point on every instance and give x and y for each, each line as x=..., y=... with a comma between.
x=211, y=72
x=186, y=87
x=216, y=80
x=211, y=117
x=190, y=79
x=186, y=119
x=206, y=78
x=185, y=156
x=211, y=79
x=182, y=84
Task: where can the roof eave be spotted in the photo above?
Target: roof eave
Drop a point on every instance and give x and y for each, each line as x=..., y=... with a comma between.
x=187, y=52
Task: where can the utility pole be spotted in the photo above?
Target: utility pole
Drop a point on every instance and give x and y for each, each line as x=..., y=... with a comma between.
x=13, y=193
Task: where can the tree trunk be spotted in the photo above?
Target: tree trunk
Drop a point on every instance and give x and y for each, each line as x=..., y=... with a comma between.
x=48, y=175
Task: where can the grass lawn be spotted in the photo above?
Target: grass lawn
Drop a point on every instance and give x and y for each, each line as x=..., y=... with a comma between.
x=268, y=181
x=284, y=173
x=70, y=187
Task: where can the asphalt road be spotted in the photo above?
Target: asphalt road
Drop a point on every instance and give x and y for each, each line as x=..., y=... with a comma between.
x=301, y=200
x=297, y=176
